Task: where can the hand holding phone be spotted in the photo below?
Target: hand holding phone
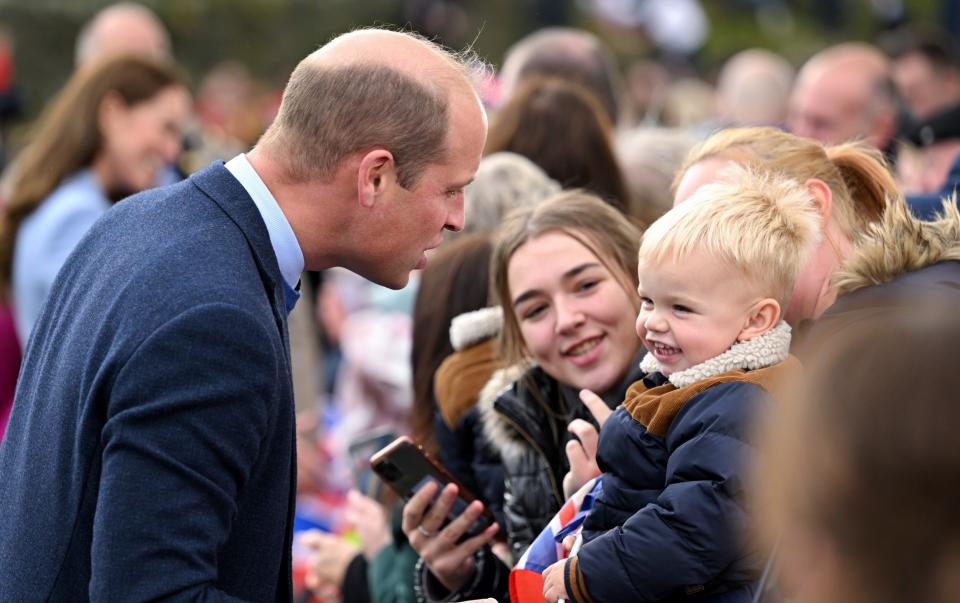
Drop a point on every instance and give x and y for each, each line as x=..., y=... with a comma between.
x=407, y=468
x=446, y=555
x=439, y=534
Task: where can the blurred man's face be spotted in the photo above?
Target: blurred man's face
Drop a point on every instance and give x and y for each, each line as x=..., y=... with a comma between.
x=830, y=108
x=925, y=90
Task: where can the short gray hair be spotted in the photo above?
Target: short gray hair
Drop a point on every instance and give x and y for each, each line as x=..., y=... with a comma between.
x=328, y=113
x=504, y=181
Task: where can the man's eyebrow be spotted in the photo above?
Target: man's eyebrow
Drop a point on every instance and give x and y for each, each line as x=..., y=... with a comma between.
x=456, y=187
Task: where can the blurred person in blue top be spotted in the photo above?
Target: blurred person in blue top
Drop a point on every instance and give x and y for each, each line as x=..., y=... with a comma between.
x=109, y=133
x=715, y=274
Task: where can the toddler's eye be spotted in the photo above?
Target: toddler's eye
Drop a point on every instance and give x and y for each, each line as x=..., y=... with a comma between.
x=681, y=308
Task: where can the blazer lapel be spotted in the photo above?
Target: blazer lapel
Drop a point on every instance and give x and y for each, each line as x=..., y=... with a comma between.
x=223, y=189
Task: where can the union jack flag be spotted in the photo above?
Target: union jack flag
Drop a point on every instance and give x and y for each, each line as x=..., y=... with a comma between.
x=526, y=577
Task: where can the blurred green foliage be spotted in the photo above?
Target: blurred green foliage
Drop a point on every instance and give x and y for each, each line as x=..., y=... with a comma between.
x=271, y=36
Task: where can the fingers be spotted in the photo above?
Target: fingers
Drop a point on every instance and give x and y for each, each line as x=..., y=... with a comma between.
x=445, y=547
x=415, y=508
x=452, y=563
x=358, y=500
x=597, y=407
x=312, y=538
x=577, y=459
x=438, y=511
x=582, y=454
x=471, y=545
x=553, y=586
x=569, y=541
x=422, y=524
x=363, y=511
x=452, y=533
x=587, y=434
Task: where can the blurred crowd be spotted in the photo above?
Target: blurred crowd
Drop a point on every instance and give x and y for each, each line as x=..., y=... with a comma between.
x=857, y=463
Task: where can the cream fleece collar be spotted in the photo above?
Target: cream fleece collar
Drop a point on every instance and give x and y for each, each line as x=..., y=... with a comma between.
x=763, y=351
x=474, y=327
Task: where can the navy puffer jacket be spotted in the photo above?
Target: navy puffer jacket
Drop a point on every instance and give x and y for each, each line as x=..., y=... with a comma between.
x=669, y=524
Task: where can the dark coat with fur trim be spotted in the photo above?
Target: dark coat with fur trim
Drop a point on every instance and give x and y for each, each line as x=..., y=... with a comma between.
x=527, y=424
x=464, y=449
x=901, y=261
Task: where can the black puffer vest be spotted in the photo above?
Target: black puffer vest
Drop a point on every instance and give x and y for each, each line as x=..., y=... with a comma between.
x=526, y=421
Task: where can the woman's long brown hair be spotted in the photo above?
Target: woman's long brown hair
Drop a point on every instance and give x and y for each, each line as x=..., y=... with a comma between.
x=67, y=137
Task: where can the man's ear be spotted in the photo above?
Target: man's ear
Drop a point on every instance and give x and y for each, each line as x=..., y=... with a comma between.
x=764, y=315
x=823, y=197
x=375, y=173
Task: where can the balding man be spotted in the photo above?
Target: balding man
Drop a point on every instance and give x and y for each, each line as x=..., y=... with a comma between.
x=122, y=28
x=572, y=54
x=845, y=93
x=753, y=89
x=150, y=454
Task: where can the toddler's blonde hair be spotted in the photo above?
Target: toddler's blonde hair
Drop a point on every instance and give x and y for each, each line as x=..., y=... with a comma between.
x=761, y=225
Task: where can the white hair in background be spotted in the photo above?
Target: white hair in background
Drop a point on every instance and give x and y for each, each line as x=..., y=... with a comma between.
x=504, y=181
x=754, y=88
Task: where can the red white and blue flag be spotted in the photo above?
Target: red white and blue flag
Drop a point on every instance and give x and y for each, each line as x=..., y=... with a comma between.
x=526, y=577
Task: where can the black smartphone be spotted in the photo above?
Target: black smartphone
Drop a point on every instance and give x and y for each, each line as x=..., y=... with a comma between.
x=360, y=450
x=406, y=467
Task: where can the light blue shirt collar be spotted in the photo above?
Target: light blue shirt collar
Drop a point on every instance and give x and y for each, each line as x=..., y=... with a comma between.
x=284, y=241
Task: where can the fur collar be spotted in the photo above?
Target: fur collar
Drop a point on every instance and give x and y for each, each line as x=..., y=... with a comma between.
x=470, y=328
x=763, y=351
x=503, y=436
x=901, y=243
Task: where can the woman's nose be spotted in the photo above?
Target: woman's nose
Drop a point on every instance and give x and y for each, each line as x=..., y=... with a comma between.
x=569, y=316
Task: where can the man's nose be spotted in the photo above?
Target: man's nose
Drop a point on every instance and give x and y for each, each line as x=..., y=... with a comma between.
x=455, y=217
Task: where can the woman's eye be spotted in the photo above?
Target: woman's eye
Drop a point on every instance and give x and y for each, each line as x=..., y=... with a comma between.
x=533, y=312
x=585, y=285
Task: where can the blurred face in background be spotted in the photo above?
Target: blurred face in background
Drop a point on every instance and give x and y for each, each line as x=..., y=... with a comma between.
x=140, y=139
x=926, y=89
x=829, y=108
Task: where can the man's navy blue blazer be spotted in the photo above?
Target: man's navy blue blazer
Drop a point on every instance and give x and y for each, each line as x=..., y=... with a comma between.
x=150, y=453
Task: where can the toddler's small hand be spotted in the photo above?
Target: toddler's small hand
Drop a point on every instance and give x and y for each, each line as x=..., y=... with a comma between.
x=597, y=407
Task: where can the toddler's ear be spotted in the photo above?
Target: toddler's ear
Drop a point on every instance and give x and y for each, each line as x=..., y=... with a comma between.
x=764, y=315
